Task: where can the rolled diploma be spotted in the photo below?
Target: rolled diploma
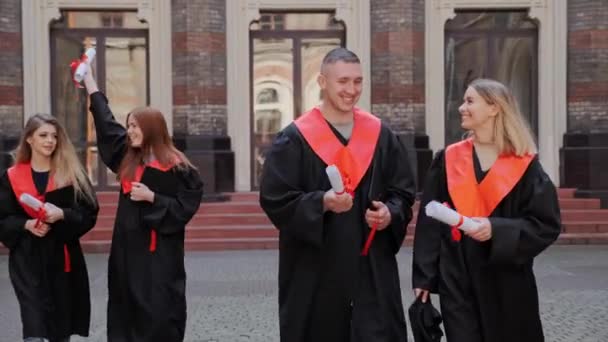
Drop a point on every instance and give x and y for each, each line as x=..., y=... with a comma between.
x=83, y=67
x=31, y=201
x=335, y=179
x=449, y=216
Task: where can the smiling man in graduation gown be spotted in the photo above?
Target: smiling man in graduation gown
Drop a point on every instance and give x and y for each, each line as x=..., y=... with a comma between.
x=328, y=291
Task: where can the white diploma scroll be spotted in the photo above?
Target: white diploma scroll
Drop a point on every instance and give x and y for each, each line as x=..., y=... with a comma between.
x=335, y=178
x=83, y=67
x=31, y=201
x=449, y=216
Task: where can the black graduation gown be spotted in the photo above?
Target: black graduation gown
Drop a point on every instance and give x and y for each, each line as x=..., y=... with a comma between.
x=147, y=289
x=487, y=289
x=54, y=304
x=321, y=272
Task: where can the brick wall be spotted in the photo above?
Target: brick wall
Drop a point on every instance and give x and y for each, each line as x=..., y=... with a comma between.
x=398, y=63
x=199, y=67
x=587, y=66
x=11, y=73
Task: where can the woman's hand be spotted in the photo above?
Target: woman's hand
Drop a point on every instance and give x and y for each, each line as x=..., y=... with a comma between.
x=89, y=81
x=140, y=192
x=53, y=213
x=484, y=232
x=39, y=230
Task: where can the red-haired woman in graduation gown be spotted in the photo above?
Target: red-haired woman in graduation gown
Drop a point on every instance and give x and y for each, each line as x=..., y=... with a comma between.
x=160, y=192
x=485, y=278
x=46, y=265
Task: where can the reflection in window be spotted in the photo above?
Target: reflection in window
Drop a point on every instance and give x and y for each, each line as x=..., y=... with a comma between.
x=490, y=20
x=268, y=95
x=99, y=19
x=273, y=21
x=498, y=44
x=268, y=121
x=121, y=69
x=287, y=50
x=112, y=19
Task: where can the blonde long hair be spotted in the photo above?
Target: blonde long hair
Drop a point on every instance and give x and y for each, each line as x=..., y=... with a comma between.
x=66, y=168
x=512, y=134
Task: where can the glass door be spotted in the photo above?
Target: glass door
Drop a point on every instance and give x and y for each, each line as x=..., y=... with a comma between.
x=286, y=52
x=121, y=69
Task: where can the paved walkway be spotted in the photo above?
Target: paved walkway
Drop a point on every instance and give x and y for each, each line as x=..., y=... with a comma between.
x=232, y=296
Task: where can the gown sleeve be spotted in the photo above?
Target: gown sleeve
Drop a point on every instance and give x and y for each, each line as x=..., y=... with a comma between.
x=427, y=238
x=12, y=220
x=111, y=136
x=293, y=211
x=78, y=219
x=519, y=240
x=401, y=190
x=170, y=214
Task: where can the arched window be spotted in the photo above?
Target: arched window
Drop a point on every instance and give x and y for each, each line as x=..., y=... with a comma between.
x=494, y=44
x=268, y=95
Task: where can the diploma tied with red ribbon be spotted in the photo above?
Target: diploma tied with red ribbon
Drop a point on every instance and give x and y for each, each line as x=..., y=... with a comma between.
x=80, y=68
x=447, y=215
x=36, y=205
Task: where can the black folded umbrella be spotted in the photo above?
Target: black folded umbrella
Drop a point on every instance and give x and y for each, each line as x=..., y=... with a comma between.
x=425, y=321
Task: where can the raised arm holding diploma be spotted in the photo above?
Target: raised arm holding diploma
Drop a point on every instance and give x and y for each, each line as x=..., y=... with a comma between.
x=80, y=67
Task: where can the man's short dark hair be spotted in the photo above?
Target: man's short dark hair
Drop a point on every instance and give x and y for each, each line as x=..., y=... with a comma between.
x=340, y=54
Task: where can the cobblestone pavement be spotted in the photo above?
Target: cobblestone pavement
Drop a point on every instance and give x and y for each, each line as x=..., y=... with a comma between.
x=232, y=296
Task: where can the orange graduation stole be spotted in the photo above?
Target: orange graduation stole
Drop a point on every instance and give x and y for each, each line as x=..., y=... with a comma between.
x=352, y=160
x=127, y=186
x=480, y=199
x=20, y=177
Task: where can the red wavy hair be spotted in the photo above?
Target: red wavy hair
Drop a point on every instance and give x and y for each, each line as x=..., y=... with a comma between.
x=156, y=141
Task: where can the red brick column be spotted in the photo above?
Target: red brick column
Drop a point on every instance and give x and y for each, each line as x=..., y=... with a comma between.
x=11, y=77
x=585, y=152
x=587, y=65
x=398, y=74
x=199, y=89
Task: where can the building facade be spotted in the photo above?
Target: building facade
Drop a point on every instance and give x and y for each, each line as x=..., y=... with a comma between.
x=229, y=74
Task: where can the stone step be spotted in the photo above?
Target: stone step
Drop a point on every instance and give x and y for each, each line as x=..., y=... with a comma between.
x=259, y=231
x=227, y=232
x=579, y=203
x=204, y=220
x=583, y=239
x=112, y=196
x=595, y=216
x=584, y=215
x=211, y=244
x=244, y=207
x=205, y=208
x=585, y=227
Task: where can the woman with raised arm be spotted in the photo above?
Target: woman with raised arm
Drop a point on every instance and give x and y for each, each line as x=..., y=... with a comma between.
x=160, y=192
x=484, y=277
x=46, y=265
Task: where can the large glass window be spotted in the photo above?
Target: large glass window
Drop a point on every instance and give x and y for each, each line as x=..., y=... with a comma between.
x=502, y=45
x=286, y=54
x=121, y=68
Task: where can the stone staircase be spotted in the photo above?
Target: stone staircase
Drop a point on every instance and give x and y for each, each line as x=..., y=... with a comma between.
x=241, y=224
